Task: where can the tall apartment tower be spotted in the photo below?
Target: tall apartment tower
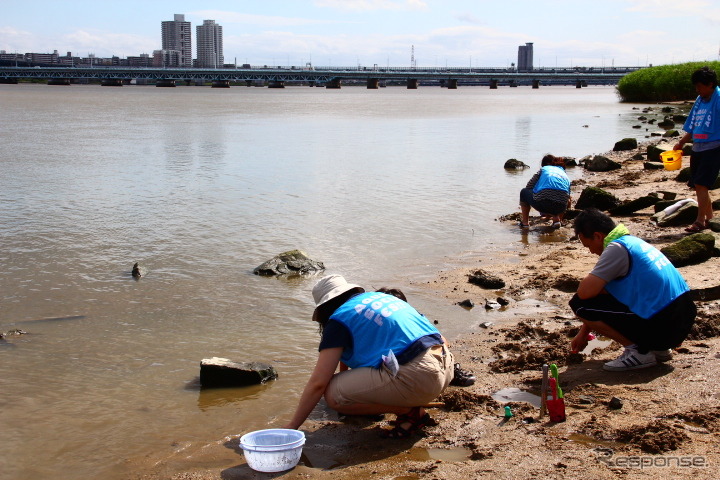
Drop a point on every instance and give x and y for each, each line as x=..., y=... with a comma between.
x=209, y=45
x=177, y=36
x=525, y=57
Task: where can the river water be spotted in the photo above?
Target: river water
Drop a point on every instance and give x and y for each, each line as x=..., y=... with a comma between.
x=200, y=186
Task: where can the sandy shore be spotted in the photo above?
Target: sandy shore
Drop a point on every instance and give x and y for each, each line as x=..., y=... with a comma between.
x=667, y=426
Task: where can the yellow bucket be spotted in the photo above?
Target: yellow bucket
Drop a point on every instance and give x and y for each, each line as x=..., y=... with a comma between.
x=672, y=159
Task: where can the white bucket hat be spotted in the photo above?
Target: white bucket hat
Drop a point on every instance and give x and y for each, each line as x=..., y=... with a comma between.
x=330, y=287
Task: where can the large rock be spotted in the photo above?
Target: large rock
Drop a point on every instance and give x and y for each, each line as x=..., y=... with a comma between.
x=671, y=133
x=515, y=164
x=654, y=151
x=684, y=176
x=294, y=261
x=667, y=124
x=691, y=250
x=483, y=279
x=653, y=166
x=634, y=205
x=684, y=215
x=625, y=144
x=218, y=372
x=600, y=163
x=594, y=197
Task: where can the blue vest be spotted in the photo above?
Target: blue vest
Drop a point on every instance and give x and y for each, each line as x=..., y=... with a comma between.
x=552, y=177
x=652, y=282
x=703, y=119
x=379, y=322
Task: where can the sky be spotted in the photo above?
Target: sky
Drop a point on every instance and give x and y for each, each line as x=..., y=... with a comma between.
x=447, y=33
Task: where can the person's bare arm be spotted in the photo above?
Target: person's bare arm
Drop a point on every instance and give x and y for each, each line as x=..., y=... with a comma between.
x=325, y=367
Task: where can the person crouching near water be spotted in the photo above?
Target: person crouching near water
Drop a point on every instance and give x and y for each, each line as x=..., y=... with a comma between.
x=633, y=295
x=397, y=360
x=548, y=192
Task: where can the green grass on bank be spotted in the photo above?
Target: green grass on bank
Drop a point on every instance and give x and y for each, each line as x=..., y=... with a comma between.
x=664, y=83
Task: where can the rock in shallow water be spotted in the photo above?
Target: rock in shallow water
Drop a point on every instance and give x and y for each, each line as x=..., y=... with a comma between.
x=291, y=262
x=222, y=372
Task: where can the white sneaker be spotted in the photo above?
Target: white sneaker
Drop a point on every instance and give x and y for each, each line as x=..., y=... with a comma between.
x=662, y=355
x=631, y=359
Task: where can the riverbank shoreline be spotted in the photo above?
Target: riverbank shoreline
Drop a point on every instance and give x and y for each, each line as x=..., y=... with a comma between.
x=666, y=427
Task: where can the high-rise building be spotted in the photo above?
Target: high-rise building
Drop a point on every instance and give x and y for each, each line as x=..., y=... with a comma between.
x=525, y=57
x=209, y=45
x=177, y=36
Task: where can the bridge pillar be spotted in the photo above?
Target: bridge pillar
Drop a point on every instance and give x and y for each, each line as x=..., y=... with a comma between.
x=412, y=83
x=493, y=83
x=59, y=81
x=578, y=84
x=536, y=84
x=311, y=83
x=373, y=83
x=165, y=83
x=276, y=84
x=220, y=84
x=111, y=82
x=334, y=83
x=513, y=83
x=9, y=81
x=452, y=84
x=584, y=83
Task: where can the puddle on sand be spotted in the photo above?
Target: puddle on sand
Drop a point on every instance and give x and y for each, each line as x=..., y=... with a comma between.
x=516, y=395
x=457, y=454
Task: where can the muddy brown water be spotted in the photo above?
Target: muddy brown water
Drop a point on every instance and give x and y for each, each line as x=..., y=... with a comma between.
x=200, y=186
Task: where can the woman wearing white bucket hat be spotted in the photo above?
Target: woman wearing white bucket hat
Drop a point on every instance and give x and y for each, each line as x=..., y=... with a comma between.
x=397, y=360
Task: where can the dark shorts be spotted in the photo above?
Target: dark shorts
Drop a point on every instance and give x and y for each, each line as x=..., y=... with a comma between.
x=666, y=329
x=704, y=168
x=542, y=206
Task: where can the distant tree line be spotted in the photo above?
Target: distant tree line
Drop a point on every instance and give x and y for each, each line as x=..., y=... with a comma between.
x=664, y=83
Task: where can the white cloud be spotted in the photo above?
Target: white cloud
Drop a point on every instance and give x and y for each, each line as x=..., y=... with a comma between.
x=82, y=42
x=225, y=17
x=469, y=18
x=12, y=40
x=368, y=5
x=674, y=8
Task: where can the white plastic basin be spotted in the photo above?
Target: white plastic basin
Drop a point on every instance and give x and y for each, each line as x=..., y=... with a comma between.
x=272, y=450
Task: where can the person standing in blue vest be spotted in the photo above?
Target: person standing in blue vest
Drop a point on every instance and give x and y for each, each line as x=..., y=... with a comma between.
x=548, y=192
x=391, y=359
x=633, y=295
x=703, y=128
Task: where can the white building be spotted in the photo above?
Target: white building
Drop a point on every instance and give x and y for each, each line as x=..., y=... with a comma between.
x=209, y=45
x=177, y=36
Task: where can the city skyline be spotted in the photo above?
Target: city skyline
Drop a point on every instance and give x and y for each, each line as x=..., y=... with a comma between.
x=456, y=33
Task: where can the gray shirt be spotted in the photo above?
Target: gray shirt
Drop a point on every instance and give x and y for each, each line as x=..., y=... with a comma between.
x=614, y=262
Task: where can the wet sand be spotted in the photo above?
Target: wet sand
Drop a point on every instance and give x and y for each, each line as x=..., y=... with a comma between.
x=667, y=426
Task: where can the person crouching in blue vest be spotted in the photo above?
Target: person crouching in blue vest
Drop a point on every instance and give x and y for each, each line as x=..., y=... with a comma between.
x=633, y=295
x=391, y=358
x=548, y=192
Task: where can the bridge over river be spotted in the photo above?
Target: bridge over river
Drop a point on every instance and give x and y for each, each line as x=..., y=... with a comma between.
x=328, y=77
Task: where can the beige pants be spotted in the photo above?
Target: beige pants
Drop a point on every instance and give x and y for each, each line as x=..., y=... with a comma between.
x=417, y=383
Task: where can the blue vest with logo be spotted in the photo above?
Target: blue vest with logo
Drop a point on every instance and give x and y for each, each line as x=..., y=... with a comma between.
x=379, y=322
x=552, y=177
x=652, y=282
x=703, y=119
